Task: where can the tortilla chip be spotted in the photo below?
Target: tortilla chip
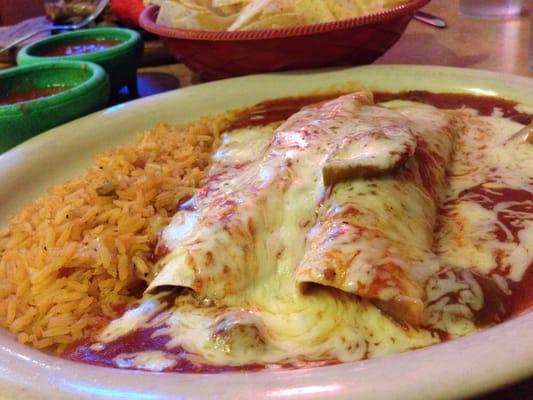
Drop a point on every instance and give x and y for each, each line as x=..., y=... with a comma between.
x=313, y=11
x=282, y=13
x=188, y=15
x=274, y=21
x=226, y=3
x=229, y=7
x=261, y=14
x=248, y=14
x=343, y=9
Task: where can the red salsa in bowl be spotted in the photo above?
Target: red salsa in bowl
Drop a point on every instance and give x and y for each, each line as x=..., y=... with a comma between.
x=82, y=46
x=35, y=98
x=19, y=96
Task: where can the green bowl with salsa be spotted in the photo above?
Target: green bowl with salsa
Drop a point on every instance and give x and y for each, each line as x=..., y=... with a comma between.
x=38, y=97
x=117, y=50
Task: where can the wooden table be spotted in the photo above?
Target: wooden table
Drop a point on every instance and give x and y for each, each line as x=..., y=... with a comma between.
x=467, y=42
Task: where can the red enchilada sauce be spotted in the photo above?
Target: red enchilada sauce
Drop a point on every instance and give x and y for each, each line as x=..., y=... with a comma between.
x=497, y=304
x=82, y=46
x=281, y=109
x=31, y=94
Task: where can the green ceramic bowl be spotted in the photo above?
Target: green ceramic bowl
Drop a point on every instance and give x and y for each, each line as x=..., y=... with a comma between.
x=78, y=88
x=120, y=60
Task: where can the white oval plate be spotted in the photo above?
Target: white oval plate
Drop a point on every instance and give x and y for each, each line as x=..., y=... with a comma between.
x=459, y=368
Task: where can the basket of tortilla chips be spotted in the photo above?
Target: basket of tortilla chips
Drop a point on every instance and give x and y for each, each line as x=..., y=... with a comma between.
x=224, y=38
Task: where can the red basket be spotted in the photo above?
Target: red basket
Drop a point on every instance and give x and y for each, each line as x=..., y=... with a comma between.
x=222, y=54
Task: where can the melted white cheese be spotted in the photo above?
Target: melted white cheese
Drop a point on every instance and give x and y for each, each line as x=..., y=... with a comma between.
x=374, y=237
x=264, y=318
x=468, y=238
x=294, y=325
x=148, y=360
x=131, y=320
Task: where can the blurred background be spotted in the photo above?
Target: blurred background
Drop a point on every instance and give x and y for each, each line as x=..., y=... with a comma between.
x=12, y=12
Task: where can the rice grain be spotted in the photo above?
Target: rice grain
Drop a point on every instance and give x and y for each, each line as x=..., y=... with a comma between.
x=75, y=257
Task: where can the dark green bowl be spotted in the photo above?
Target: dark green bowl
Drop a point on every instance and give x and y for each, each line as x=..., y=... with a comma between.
x=120, y=61
x=86, y=89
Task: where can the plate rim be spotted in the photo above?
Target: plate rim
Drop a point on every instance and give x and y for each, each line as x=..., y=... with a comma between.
x=66, y=379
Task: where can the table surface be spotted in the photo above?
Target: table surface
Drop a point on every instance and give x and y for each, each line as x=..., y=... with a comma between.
x=498, y=45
